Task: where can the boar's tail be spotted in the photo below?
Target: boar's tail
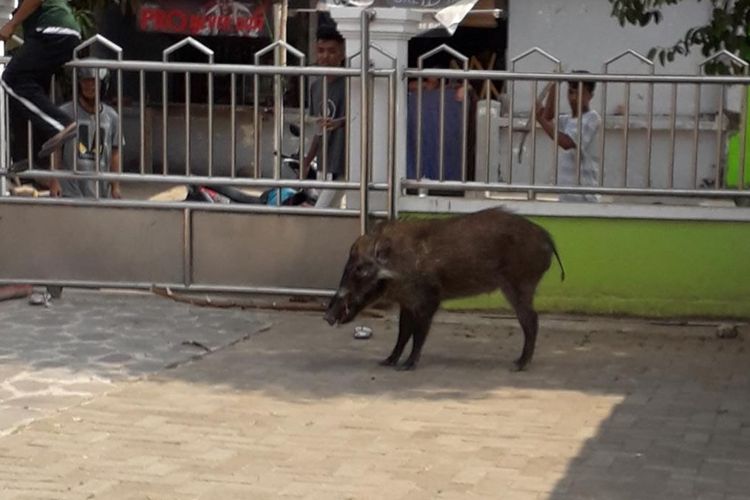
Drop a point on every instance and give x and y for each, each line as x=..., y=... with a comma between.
x=557, y=256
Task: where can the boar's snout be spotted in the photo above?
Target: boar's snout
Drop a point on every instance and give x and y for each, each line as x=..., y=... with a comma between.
x=330, y=317
x=336, y=311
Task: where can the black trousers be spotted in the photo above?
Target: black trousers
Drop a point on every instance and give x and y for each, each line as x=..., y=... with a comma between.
x=27, y=79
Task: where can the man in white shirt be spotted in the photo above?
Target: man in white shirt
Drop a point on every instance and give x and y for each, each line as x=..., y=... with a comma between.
x=568, y=134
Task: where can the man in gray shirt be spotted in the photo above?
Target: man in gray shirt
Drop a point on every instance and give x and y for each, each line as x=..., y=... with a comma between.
x=331, y=116
x=85, y=146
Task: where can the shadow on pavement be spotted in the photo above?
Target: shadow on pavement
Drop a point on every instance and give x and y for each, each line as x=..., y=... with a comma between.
x=647, y=411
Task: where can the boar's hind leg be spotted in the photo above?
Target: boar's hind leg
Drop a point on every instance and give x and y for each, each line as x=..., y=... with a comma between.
x=530, y=324
x=405, y=329
x=420, y=329
x=522, y=299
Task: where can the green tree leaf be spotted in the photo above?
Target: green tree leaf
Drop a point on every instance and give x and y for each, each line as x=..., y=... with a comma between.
x=726, y=29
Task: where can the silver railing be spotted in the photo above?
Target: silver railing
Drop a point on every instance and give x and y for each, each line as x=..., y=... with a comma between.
x=179, y=140
x=188, y=175
x=667, y=124
x=659, y=146
x=212, y=171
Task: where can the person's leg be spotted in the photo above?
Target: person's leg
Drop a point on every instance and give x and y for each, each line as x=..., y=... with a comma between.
x=20, y=152
x=32, y=64
x=329, y=198
x=19, y=132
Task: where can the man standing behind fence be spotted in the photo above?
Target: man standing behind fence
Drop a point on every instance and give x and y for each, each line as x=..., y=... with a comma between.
x=331, y=116
x=50, y=33
x=85, y=146
x=567, y=138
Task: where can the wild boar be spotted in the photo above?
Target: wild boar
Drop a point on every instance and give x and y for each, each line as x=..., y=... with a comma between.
x=418, y=264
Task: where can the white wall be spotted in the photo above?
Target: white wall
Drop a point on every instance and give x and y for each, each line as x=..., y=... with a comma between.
x=6, y=7
x=583, y=35
x=614, y=165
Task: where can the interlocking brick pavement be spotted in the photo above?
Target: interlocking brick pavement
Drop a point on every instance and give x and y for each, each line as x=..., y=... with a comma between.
x=609, y=409
x=80, y=347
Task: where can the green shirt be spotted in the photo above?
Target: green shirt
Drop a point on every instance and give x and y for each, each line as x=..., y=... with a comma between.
x=52, y=17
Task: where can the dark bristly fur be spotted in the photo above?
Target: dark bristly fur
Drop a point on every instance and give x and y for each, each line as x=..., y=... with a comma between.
x=418, y=264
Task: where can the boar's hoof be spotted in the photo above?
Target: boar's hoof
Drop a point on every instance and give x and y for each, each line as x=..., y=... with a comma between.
x=519, y=365
x=389, y=361
x=407, y=366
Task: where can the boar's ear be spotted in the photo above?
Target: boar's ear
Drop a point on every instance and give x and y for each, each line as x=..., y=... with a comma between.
x=377, y=228
x=382, y=250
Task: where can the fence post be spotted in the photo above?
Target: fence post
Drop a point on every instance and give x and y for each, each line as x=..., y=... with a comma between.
x=364, y=146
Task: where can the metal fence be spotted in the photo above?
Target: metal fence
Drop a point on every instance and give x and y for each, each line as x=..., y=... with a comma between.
x=673, y=136
x=655, y=145
x=177, y=133
x=661, y=148
x=264, y=247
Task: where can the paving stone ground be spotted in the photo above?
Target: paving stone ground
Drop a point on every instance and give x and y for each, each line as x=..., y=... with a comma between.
x=81, y=346
x=609, y=409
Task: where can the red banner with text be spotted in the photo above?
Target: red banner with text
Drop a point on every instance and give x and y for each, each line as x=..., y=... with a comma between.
x=247, y=18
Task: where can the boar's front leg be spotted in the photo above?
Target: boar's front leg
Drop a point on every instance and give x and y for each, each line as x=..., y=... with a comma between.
x=405, y=329
x=421, y=327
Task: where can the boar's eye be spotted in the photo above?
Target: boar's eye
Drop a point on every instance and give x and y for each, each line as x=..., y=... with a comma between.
x=364, y=271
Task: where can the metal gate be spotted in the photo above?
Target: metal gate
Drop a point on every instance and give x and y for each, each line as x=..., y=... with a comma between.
x=672, y=146
x=130, y=243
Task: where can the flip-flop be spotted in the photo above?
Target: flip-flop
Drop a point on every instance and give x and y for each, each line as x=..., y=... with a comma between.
x=39, y=299
x=362, y=332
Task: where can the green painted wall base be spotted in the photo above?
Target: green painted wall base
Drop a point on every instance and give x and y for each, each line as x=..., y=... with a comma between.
x=652, y=268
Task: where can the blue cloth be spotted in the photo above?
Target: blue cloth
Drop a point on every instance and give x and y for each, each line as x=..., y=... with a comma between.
x=286, y=193
x=453, y=133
